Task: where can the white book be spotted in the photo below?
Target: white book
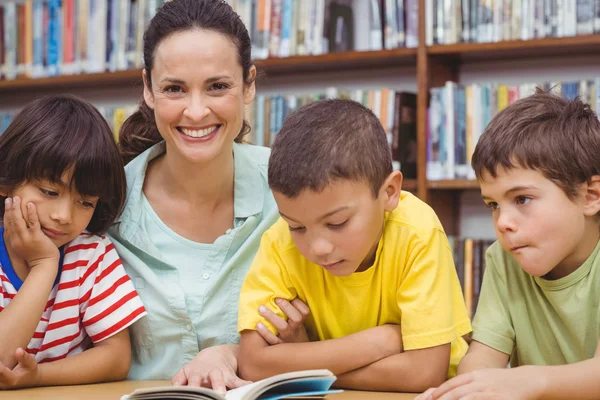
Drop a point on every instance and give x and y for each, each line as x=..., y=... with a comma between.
x=311, y=383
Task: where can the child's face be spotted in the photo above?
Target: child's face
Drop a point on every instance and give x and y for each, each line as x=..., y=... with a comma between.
x=62, y=212
x=338, y=228
x=198, y=94
x=548, y=234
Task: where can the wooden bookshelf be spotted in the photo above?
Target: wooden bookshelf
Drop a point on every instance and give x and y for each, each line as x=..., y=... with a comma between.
x=519, y=49
x=409, y=184
x=454, y=184
x=332, y=62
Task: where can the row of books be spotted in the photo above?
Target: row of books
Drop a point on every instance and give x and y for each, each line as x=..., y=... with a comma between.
x=458, y=114
x=41, y=38
x=114, y=115
x=396, y=111
x=282, y=28
x=455, y=21
x=469, y=259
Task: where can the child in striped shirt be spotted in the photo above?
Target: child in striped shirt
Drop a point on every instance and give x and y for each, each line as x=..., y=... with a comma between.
x=65, y=299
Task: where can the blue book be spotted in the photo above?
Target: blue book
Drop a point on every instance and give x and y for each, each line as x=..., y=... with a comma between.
x=313, y=383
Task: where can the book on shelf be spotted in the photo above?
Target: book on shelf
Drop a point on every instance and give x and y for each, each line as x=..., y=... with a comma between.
x=299, y=384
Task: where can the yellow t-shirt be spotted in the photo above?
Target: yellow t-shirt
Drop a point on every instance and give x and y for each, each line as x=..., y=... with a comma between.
x=412, y=283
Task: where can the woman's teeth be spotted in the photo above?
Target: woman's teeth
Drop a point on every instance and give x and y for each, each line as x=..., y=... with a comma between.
x=199, y=132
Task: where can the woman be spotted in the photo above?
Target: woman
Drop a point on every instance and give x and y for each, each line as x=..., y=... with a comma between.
x=198, y=200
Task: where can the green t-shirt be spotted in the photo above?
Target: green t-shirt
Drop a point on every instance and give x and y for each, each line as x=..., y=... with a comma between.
x=538, y=321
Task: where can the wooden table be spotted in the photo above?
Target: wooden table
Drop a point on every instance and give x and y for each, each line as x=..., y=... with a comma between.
x=114, y=391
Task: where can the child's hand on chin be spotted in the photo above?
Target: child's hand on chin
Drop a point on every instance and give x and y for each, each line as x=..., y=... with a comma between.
x=25, y=237
x=24, y=374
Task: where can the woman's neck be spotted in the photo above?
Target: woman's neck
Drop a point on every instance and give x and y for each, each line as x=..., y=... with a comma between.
x=205, y=185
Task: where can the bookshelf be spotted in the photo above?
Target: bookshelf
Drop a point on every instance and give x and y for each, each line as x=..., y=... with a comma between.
x=434, y=65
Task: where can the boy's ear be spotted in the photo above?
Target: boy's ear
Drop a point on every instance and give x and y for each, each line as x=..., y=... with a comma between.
x=391, y=190
x=591, y=201
x=148, y=96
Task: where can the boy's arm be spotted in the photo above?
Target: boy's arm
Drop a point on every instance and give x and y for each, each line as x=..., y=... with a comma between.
x=258, y=360
x=481, y=356
x=108, y=360
x=21, y=317
x=411, y=371
x=572, y=381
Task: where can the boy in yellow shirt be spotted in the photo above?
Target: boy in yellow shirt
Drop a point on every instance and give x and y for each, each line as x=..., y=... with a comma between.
x=539, y=169
x=372, y=262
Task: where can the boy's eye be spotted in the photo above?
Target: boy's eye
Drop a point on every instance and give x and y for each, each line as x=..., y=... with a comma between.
x=492, y=205
x=337, y=226
x=523, y=200
x=296, y=228
x=49, y=193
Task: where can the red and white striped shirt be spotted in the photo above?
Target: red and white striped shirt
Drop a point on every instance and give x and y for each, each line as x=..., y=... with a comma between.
x=93, y=300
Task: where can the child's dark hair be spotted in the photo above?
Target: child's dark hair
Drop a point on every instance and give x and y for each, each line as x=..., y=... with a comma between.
x=139, y=132
x=543, y=132
x=55, y=134
x=329, y=140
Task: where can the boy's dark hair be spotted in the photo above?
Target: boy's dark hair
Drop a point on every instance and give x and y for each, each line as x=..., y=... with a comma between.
x=53, y=134
x=139, y=132
x=543, y=132
x=328, y=140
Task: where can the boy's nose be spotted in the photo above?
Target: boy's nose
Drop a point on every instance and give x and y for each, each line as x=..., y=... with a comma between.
x=505, y=222
x=321, y=247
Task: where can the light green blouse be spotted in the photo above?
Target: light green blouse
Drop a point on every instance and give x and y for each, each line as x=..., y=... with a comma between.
x=190, y=290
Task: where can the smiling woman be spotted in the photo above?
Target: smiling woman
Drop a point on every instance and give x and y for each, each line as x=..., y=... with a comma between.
x=198, y=200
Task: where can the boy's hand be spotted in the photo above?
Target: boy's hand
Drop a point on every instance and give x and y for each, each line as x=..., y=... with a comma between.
x=214, y=367
x=24, y=374
x=494, y=383
x=25, y=236
x=290, y=331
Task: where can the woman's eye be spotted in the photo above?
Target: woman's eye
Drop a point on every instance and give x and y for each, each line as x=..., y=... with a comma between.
x=220, y=86
x=173, y=89
x=87, y=204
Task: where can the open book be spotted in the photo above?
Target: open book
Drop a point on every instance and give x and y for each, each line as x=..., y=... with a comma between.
x=299, y=384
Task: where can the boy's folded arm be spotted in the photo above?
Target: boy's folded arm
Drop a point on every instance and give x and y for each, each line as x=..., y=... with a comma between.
x=481, y=356
x=258, y=360
x=21, y=317
x=411, y=371
x=108, y=360
x=571, y=381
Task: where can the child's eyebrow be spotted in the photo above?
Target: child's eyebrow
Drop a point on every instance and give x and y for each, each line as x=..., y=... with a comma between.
x=330, y=213
x=512, y=190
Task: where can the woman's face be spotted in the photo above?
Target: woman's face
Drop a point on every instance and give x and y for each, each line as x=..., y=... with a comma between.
x=198, y=94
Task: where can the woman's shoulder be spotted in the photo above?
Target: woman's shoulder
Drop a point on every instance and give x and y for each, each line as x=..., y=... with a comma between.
x=258, y=155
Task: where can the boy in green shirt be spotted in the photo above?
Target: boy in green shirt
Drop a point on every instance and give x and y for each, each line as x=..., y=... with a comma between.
x=538, y=163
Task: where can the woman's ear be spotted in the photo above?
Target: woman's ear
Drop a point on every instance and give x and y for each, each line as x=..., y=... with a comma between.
x=148, y=96
x=391, y=189
x=591, y=203
x=250, y=88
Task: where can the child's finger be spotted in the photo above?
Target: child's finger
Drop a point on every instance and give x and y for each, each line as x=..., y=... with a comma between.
x=7, y=377
x=279, y=323
x=17, y=221
x=26, y=360
x=301, y=306
x=290, y=311
x=32, y=216
x=267, y=335
x=7, y=207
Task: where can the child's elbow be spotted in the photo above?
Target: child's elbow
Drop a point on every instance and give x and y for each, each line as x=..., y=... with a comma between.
x=249, y=368
x=430, y=377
